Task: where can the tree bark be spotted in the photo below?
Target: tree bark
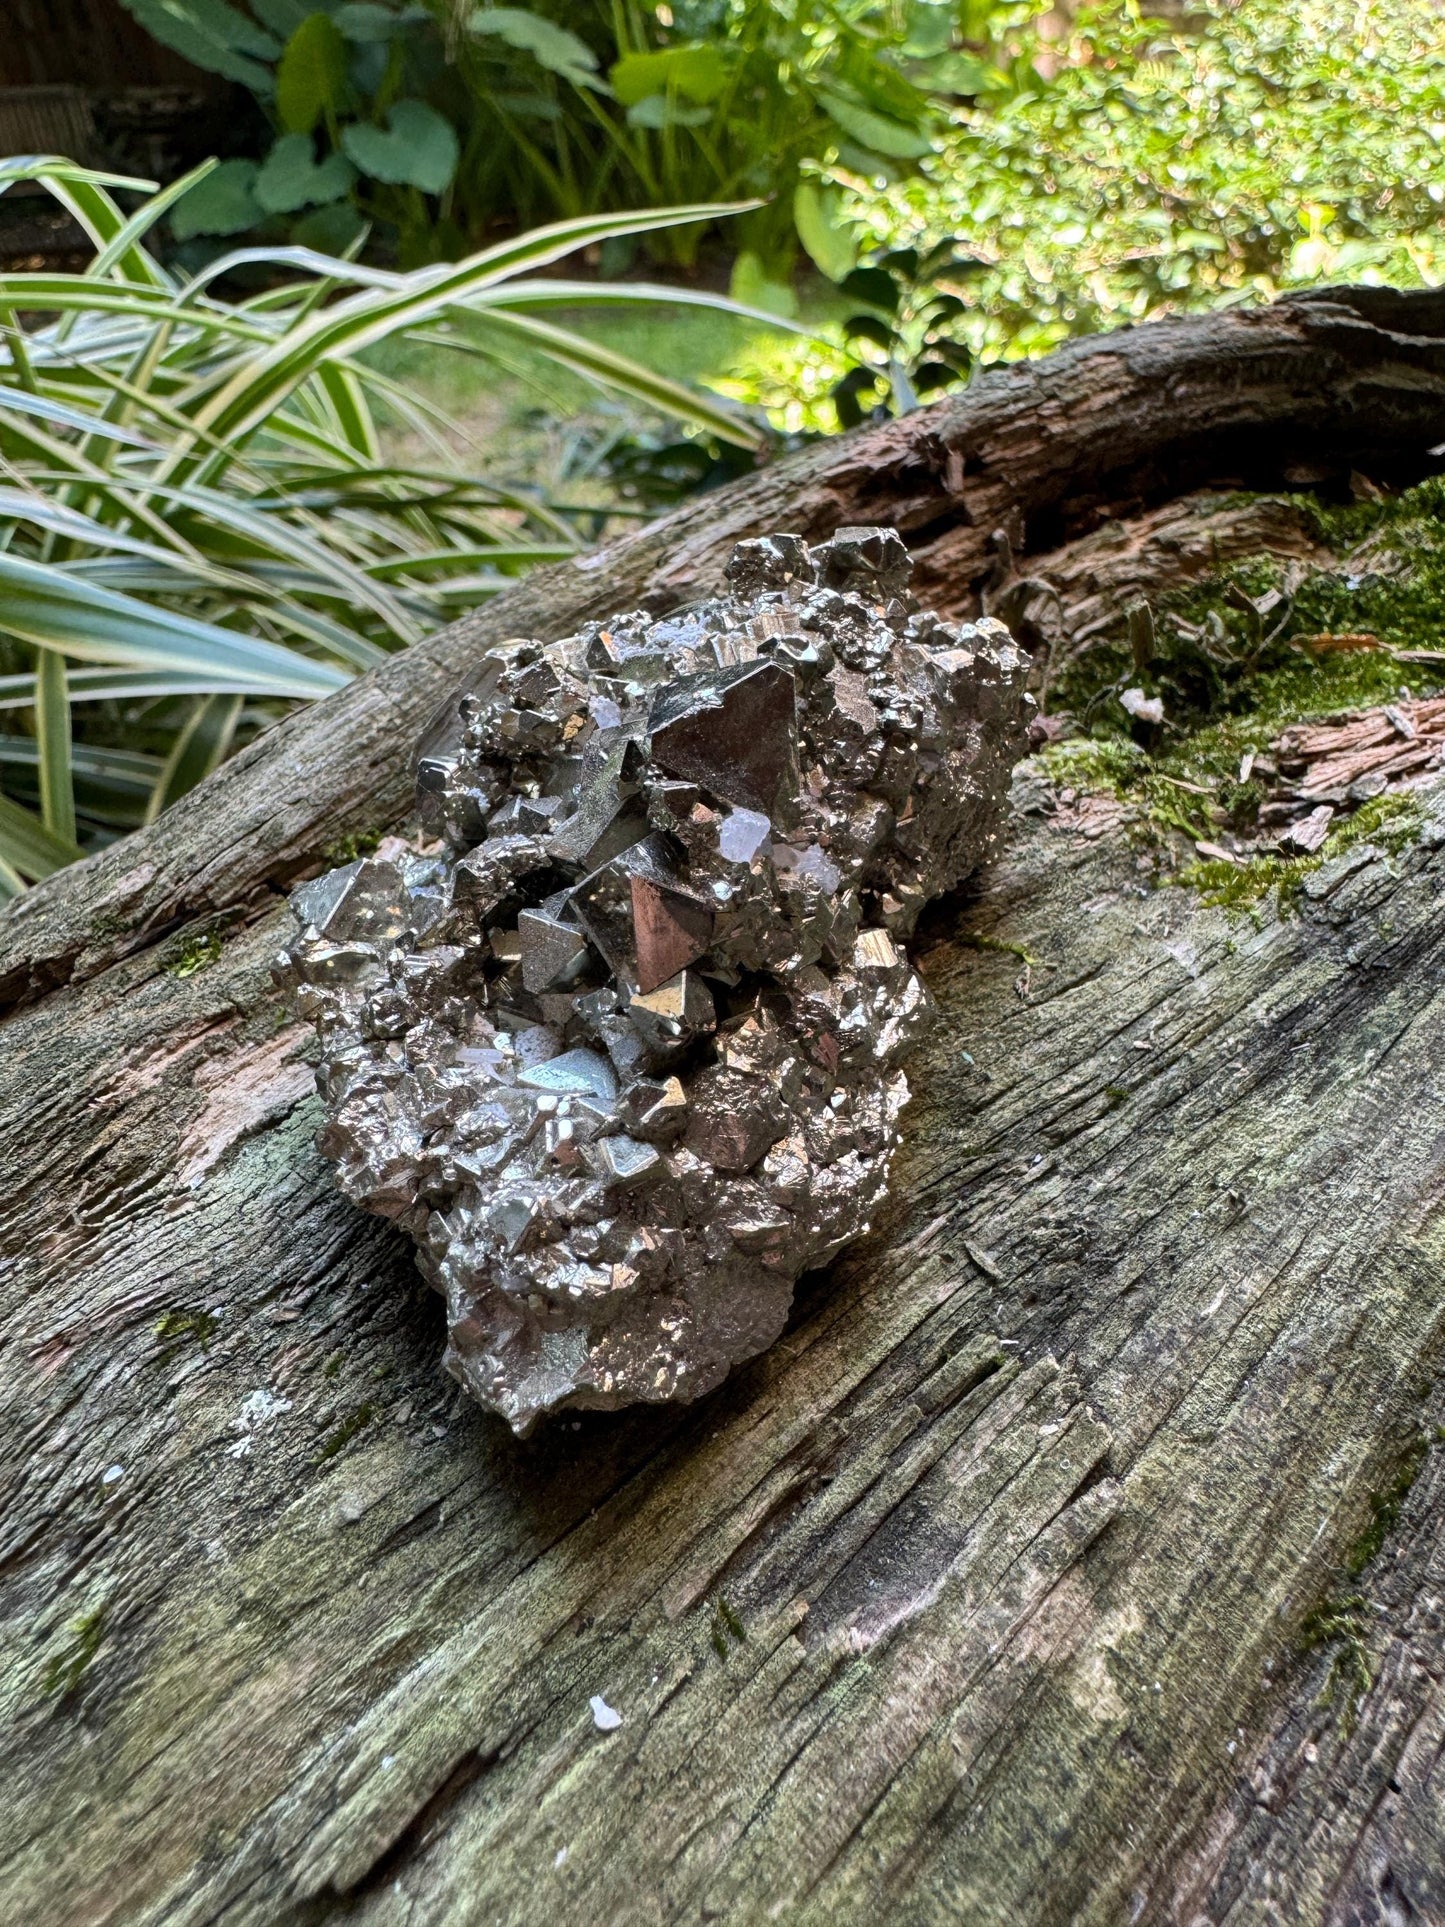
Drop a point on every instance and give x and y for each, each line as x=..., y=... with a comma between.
x=1075, y=1556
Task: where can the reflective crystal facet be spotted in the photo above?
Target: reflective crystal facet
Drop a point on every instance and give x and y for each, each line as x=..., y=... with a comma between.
x=622, y=1049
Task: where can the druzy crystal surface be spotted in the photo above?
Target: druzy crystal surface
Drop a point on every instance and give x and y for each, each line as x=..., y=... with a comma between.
x=622, y=1048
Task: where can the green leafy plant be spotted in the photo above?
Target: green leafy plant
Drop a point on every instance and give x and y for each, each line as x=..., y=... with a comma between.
x=906, y=338
x=197, y=524
x=1104, y=166
x=436, y=121
x=1135, y=165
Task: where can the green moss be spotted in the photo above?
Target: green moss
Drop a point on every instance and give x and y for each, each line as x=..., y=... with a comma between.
x=1391, y=822
x=1115, y=1095
x=1232, y=678
x=1342, y=1622
x=1240, y=886
x=177, y=1329
x=1343, y=1625
x=1385, y=1508
x=198, y=952
x=1025, y=956
x=347, y=850
x=724, y=1622
x=1395, y=588
x=65, y=1669
x=346, y=1431
x=1094, y=763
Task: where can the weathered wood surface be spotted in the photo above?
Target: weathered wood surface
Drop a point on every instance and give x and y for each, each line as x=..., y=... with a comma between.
x=1045, y=1523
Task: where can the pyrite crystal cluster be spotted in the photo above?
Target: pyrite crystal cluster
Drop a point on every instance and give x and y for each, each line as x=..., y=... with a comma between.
x=623, y=1056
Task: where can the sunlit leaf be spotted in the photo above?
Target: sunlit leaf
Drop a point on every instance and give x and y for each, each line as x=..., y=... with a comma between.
x=817, y=216
x=698, y=73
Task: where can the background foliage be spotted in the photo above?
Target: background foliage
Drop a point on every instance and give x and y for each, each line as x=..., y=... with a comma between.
x=306, y=405
x=436, y=121
x=1130, y=167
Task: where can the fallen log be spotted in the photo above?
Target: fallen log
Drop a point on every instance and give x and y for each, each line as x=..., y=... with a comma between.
x=1075, y=1556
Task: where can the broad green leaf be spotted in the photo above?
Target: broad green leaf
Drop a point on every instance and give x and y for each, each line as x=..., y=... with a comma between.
x=223, y=203
x=42, y=605
x=291, y=177
x=816, y=215
x=698, y=73
x=875, y=131
x=311, y=79
x=27, y=846
x=417, y=148
x=559, y=51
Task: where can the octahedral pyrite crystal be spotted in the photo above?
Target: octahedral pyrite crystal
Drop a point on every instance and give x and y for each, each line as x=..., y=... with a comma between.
x=622, y=1050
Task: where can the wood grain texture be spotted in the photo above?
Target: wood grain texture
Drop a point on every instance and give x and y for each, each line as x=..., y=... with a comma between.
x=996, y=1591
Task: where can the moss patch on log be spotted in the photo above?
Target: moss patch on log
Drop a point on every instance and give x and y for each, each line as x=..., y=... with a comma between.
x=1341, y=1624
x=65, y=1669
x=1390, y=822
x=1236, y=659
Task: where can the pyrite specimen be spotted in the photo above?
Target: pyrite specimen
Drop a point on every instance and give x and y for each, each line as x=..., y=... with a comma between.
x=623, y=1054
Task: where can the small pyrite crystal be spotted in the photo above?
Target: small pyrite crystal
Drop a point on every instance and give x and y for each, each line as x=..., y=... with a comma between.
x=623, y=1055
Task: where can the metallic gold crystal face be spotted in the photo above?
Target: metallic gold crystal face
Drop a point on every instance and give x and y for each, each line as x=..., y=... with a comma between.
x=622, y=1054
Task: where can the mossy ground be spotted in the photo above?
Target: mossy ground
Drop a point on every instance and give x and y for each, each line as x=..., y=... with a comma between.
x=1236, y=658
